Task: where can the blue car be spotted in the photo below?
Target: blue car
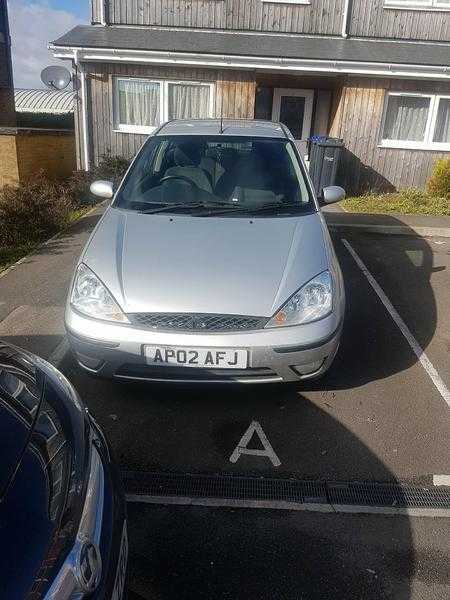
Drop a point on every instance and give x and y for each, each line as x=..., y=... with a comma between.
x=62, y=508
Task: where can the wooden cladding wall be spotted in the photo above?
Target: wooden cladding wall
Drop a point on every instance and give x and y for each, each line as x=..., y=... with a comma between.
x=357, y=114
x=234, y=95
x=321, y=16
x=96, y=15
x=372, y=19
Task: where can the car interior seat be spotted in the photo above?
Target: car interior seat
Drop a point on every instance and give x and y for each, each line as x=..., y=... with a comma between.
x=187, y=161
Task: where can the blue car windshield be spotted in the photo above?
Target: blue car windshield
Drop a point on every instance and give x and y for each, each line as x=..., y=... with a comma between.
x=235, y=174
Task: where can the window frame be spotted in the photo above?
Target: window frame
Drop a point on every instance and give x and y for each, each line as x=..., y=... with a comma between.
x=430, y=5
x=430, y=128
x=301, y=2
x=163, y=102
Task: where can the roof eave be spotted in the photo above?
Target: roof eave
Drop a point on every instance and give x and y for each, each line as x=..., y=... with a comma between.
x=89, y=54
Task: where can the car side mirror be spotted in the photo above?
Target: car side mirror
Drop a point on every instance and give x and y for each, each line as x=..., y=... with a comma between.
x=102, y=189
x=333, y=193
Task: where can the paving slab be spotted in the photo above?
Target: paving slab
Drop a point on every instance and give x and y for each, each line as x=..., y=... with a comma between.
x=391, y=224
x=33, y=293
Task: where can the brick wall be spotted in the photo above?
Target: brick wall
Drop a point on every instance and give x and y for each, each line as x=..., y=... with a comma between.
x=9, y=171
x=51, y=152
x=26, y=153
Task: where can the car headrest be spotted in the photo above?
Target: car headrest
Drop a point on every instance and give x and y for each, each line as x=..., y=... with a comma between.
x=181, y=159
x=188, y=155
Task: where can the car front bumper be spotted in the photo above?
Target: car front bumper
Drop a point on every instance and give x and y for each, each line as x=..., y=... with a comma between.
x=275, y=355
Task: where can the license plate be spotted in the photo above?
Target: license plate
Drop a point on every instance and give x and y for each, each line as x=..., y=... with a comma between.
x=204, y=358
x=121, y=574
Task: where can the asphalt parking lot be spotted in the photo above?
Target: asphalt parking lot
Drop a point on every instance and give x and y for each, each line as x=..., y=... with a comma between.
x=376, y=416
x=379, y=415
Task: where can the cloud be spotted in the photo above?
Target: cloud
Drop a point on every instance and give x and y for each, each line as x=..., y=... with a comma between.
x=33, y=24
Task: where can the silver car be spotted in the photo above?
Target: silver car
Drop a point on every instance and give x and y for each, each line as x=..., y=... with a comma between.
x=213, y=263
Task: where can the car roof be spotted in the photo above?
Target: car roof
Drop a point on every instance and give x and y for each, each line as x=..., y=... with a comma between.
x=226, y=127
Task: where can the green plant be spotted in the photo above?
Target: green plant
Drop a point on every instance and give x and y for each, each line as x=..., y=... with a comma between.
x=111, y=168
x=32, y=210
x=76, y=188
x=439, y=182
x=412, y=201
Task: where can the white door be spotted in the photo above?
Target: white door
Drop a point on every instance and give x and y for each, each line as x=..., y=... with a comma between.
x=294, y=108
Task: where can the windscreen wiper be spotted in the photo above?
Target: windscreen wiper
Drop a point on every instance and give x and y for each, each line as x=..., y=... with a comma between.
x=251, y=209
x=169, y=207
x=187, y=205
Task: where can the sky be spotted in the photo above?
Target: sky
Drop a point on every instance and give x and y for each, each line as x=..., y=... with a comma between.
x=33, y=23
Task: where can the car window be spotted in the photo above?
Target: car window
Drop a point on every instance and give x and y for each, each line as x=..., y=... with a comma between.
x=244, y=173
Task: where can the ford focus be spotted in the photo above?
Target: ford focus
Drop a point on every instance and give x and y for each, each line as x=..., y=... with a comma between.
x=213, y=263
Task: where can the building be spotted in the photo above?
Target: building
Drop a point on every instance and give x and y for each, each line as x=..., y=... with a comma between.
x=26, y=149
x=45, y=110
x=8, y=158
x=375, y=73
x=7, y=114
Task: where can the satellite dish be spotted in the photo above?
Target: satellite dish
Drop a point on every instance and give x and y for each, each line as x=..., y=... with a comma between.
x=55, y=77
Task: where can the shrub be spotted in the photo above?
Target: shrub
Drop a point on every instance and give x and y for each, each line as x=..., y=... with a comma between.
x=111, y=168
x=32, y=210
x=76, y=188
x=439, y=183
x=36, y=209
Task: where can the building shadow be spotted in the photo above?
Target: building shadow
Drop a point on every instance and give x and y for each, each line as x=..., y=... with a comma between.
x=358, y=178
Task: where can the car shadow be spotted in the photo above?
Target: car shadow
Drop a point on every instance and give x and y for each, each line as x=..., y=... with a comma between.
x=372, y=346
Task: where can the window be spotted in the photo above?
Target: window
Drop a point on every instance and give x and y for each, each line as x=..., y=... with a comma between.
x=288, y=1
x=419, y=4
x=188, y=101
x=419, y=121
x=138, y=104
x=234, y=176
x=141, y=105
x=442, y=129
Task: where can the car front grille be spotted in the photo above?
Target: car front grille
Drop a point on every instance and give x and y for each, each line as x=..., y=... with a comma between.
x=196, y=322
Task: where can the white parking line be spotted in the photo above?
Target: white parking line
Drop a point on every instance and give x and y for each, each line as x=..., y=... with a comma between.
x=292, y=506
x=441, y=480
x=418, y=351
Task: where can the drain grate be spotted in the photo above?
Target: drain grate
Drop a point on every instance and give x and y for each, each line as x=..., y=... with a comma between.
x=233, y=488
x=397, y=496
x=388, y=495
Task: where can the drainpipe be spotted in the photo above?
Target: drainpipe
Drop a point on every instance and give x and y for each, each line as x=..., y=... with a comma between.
x=84, y=111
x=103, y=12
x=346, y=18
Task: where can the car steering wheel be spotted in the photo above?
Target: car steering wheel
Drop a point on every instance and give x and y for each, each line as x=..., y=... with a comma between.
x=182, y=178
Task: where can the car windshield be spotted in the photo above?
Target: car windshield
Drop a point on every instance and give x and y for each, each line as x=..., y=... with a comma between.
x=206, y=175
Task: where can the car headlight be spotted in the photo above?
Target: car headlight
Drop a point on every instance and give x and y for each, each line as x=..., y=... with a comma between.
x=92, y=298
x=312, y=302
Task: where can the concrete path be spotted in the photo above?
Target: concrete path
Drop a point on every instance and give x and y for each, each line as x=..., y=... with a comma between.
x=422, y=225
x=33, y=293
